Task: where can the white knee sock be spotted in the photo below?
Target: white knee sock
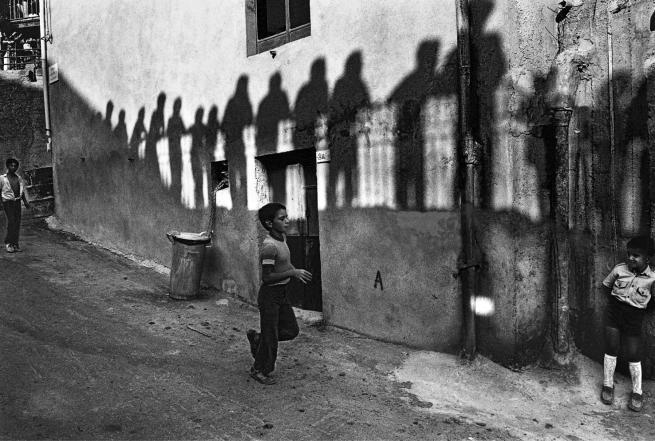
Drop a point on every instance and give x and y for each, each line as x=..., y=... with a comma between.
x=635, y=373
x=609, y=365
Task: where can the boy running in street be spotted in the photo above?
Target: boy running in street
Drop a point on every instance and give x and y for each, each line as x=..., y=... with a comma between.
x=277, y=320
x=630, y=286
x=12, y=191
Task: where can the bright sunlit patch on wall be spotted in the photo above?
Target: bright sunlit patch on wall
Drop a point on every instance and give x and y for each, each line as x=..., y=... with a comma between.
x=250, y=151
x=141, y=149
x=375, y=159
x=188, y=184
x=285, y=130
x=483, y=306
x=440, y=152
x=205, y=187
x=163, y=159
x=219, y=150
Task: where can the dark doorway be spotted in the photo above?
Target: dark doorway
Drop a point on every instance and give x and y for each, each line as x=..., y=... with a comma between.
x=292, y=182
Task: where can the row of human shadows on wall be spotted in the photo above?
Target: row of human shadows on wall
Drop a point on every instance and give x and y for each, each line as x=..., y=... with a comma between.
x=399, y=154
x=621, y=204
x=384, y=154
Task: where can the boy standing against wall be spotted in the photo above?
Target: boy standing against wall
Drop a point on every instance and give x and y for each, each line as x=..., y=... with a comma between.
x=277, y=320
x=12, y=191
x=629, y=287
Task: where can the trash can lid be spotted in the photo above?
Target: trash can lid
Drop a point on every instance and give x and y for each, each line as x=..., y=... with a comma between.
x=190, y=238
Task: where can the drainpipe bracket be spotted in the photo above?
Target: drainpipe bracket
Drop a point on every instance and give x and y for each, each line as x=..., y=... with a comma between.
x=465, y=266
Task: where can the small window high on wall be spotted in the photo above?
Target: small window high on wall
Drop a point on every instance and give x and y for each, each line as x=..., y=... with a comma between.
x=272, y=23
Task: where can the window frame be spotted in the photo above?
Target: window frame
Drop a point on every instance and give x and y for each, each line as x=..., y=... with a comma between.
x=257, y=46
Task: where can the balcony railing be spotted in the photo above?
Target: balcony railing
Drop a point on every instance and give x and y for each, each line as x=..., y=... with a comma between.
x=18, y=58
x=23, y=9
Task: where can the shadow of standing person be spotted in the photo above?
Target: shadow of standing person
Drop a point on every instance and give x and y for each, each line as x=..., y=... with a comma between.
x=174, y=131
x=211, y=133
x=490, y=66
x=349, y=97
x=199, y=157
x=120, y=132
x=238, y=116
x=109, y=110
x=156, y=132
x=139, y=134
x=410, y=97
x=273, y=109
x=311, y=104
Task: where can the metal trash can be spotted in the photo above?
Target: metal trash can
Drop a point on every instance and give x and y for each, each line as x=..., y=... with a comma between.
x=187, y=262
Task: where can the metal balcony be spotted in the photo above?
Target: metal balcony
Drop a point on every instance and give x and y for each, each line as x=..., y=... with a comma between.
x=23, y=58
x=24, y=13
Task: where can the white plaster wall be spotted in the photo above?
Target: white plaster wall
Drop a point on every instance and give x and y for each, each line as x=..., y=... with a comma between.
x=130, y=51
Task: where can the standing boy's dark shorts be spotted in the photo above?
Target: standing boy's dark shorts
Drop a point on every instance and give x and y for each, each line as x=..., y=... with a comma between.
x=626, y=318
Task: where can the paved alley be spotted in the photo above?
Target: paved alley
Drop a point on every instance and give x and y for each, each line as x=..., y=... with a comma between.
x=93, y=348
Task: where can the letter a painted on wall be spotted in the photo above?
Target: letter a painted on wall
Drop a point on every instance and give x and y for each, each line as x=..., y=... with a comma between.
x=378, y=280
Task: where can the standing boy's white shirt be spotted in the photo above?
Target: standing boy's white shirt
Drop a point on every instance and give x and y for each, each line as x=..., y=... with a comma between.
x=633, y=289
x=276, y=252
x=7, y=193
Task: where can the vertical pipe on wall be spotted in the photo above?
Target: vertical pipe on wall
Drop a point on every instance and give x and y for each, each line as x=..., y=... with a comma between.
x=560, y=242
x=468, y=266
x=610, y=91
x=44, y=68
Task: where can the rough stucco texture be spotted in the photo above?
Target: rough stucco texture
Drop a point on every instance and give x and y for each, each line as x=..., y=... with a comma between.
x=22, y=121
x=389, y=193
x=418, y=302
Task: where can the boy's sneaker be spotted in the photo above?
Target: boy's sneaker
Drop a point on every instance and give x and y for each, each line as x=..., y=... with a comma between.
x=263, y=379
x=636, y=402
x=607, y=395
x=9, y=248
x=253, y=339
x=16, y=248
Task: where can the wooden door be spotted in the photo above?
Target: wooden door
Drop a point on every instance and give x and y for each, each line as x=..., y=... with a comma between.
x=292, y=181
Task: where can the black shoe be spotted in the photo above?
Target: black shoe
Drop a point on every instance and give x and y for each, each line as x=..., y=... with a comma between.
x=263, y=379
x=253, y=339
x=607, y=395
x=636, y=402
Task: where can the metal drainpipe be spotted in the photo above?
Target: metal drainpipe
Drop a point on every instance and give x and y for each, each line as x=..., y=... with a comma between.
x=610, y=91
x=44, y=69
x=468, y=265
x=561, y=227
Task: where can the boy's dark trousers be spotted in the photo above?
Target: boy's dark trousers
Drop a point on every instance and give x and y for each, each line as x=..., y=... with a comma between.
x=13, y=212
x=278, y=323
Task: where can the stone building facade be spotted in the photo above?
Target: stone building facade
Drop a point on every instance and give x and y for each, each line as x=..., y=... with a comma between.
x=347, y=113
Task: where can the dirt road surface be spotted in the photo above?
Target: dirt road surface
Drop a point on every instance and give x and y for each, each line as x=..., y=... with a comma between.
x=93, y=348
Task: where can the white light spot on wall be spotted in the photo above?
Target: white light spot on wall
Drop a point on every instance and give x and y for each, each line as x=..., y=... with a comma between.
x=483, y=306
